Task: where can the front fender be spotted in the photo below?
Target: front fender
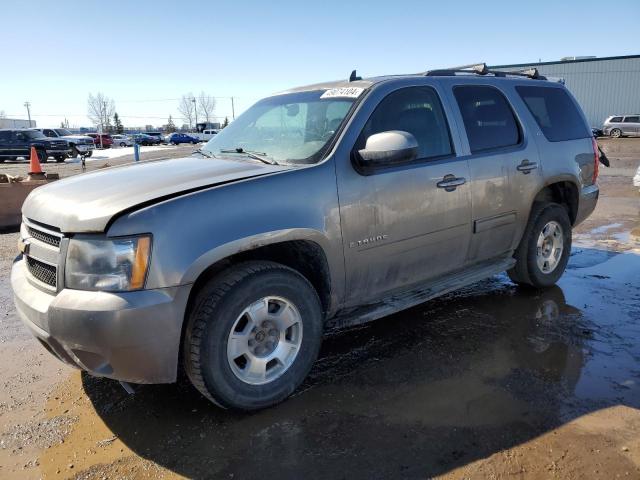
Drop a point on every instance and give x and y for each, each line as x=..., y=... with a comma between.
x=194, y=231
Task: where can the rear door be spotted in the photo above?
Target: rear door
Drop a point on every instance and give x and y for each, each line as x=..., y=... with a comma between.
x=400, y=225
x=503, y=164
x=21, y=144
x=630, y=125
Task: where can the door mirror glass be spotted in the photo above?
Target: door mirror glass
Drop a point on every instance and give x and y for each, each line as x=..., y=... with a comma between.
x=389, y=148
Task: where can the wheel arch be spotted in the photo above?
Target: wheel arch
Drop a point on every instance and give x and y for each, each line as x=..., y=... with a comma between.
x=562, y=191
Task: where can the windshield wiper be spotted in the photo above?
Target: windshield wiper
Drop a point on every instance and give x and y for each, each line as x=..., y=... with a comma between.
x=255, y=155
x=204, y=153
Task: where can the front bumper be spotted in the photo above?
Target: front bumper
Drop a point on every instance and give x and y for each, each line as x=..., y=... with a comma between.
x=587, y=203
x=130, y=336
x=85, y=147
x=54, y=152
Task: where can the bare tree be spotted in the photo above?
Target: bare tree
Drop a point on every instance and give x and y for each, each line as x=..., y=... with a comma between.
x=187, y=108
x=206, y=105
x=100, y=109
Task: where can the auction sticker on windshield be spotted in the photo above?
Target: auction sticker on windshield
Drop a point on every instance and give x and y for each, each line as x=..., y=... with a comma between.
x=349, y=92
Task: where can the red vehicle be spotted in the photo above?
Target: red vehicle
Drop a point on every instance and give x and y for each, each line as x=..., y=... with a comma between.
x=107, y=141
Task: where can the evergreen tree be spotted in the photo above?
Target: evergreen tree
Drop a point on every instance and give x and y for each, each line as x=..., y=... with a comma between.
x=171, y=127
x=117, y=123
x=226, y=122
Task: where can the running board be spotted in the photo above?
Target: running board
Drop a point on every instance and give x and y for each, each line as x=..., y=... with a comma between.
x=401, y=301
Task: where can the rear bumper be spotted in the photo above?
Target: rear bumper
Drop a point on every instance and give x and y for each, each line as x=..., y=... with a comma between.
x=587, y=203
x=131, y=336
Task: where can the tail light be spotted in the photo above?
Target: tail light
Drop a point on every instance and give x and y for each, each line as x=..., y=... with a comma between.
x=596, y=160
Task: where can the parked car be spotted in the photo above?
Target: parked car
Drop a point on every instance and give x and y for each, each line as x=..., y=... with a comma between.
x=158, y=135
x=622, y=126
x=364, y=198
x=16, y=143
x=178, y=138
x=144, y=139
x=79, y=144
x=101, y=140
x=122, y=140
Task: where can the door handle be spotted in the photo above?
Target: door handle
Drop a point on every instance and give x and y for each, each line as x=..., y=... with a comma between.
x=526, y=166
x=451, y=182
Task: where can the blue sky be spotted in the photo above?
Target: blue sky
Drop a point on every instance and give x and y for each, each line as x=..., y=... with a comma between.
x=144, y=54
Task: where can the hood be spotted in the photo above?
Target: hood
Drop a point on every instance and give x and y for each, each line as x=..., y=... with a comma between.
x=87, y=202
x=77, y=137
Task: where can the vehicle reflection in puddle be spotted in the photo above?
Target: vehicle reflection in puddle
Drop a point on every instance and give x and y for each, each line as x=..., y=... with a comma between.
x=419, y=392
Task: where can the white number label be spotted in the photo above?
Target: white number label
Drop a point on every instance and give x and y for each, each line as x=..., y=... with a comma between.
x=349, y=92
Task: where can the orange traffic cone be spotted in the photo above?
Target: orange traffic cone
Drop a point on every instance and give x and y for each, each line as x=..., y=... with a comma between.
x=35, y=170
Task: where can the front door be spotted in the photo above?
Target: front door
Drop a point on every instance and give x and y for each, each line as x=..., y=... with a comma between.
x=402, y=224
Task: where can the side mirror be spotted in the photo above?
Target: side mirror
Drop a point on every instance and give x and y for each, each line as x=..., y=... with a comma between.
x=389, y=148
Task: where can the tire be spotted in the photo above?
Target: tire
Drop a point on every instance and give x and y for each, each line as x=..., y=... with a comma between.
x=219, y=310
x=3, y=159
x=616, y=133
x=533, y=267
x=60, y=158
x=89, y=153
x=123, y=144
x=42, y=156
x=74, y=151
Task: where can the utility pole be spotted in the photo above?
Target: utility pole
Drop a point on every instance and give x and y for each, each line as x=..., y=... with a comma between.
x=28, y=105
x=195, y=109
x=233, y=110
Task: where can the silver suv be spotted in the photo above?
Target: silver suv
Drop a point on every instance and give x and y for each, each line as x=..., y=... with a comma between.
x=322, y=206
x=622, y=126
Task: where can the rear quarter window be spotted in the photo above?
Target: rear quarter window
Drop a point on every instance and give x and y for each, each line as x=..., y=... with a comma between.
x=555, y=113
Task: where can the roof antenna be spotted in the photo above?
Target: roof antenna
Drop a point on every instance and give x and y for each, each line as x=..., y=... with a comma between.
x=353, y=77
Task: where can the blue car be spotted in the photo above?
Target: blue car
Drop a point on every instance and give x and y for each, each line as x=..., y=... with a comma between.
x=177, y=138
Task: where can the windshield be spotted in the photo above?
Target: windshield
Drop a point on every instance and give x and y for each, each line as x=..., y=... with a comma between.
x=292, y=128
x=62, y=131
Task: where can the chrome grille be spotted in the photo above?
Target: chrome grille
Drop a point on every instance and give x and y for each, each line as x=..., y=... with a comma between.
x=42, y=271
x=47, y=238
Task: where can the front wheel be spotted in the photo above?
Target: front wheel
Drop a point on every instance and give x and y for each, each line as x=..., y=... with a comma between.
x=60, y=158
x=252, y=335
x=123, y=144
x=42, y=156
x=543, y=253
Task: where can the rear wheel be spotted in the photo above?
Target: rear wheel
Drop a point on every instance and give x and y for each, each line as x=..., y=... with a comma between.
x=123, y=144
x=543, y=253
x=616, y=133
x=252, y=335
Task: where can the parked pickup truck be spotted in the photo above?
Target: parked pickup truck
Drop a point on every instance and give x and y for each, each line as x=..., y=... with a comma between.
x=205, y=135
x=16, y=143
x=79, y=144
x=325, y=205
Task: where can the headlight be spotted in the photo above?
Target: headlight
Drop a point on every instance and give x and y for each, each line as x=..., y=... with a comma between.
x=113, y=265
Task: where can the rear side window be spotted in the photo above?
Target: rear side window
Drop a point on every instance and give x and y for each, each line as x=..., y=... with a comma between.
x=615, y=120
x=631, y=119
x=555, y=112
x=488, y=118
x=5, y=136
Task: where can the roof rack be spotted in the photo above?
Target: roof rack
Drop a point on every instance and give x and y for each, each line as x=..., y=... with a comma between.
x=482, y=69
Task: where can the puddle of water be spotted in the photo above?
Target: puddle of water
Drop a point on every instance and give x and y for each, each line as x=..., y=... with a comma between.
x=438, y=386
x=604, y=228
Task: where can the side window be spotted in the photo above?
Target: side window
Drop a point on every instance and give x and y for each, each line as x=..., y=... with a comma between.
x=615, y=120
x=21, y=137
x=5, y=136
x=416, y=110
x=555, y=112
x=631, y=119
x=488, y=118
x=48, y=132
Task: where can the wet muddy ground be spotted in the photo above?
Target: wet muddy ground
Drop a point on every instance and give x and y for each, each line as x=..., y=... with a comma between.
x=490, y=382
